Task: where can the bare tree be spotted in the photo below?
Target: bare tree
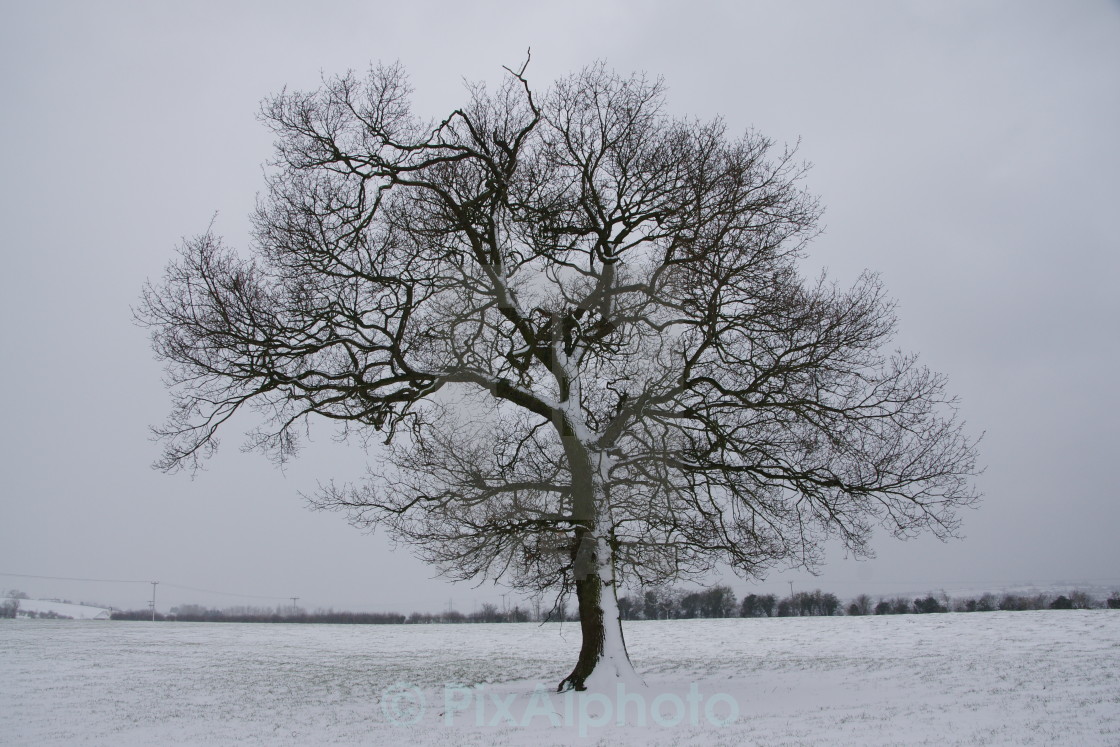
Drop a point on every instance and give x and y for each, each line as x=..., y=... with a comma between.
x=9, y=608
x=861, y=605
x=578, y=324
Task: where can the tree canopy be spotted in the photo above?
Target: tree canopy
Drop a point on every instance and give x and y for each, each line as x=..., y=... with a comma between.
x=578, y=323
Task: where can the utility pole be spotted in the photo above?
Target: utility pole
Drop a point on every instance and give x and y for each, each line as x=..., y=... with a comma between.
x=154, y=584
x=294, y=608
x=791, y=590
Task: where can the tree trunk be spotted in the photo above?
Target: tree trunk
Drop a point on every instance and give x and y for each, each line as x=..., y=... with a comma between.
x=602, y=657
x=603, y=651
x=588, y=594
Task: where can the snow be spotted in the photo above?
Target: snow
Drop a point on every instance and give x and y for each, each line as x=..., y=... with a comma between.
x=614, y=668
x=63, y=609
x=1043, y=677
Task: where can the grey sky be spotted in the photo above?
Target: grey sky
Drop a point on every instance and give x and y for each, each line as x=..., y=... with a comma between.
x=967, y=151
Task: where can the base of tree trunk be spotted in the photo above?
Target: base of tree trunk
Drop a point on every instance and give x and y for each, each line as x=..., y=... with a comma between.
x=593, y=621
x=589, y=593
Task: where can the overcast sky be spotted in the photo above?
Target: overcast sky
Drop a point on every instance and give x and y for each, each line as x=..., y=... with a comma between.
x=967, y=151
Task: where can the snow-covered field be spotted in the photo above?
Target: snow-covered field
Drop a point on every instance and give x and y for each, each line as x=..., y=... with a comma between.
x=1045, y=677
x=63, y=609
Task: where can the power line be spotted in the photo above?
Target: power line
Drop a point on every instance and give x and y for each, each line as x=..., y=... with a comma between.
x=225, y=593
x=127, y=581
x=70, y=578
x=365, y=603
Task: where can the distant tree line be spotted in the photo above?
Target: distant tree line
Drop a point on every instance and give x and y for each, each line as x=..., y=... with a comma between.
x=32, y=614
x=675, y=604
x=1076, y=600
x=720, y=601
x=649, y=604
x=487, y=613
